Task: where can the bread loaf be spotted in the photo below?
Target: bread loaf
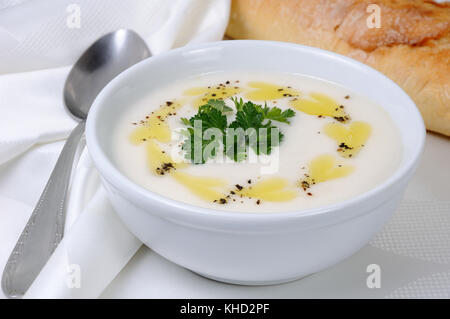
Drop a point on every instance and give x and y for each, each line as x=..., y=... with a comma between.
x=412, y=45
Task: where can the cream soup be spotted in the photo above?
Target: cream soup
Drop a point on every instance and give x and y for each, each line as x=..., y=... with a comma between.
x=337, y=145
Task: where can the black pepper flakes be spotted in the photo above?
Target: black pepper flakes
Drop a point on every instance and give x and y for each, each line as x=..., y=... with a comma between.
x=345, y=146
x=165, y=168
x=342, y=118
x=305, y=185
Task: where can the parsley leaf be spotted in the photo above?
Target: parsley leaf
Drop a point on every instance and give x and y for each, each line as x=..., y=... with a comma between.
x=270, y=113
x=210, y=115
x=247, y=116
x=202, y=144
x=185, y=121
x=276, y=114
x=239, y=104
x=198, y=151
x=251, y=128
x=219, y=105
x=209, y=118
x=261, y=134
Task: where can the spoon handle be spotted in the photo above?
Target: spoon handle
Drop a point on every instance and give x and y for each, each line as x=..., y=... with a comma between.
x=45, y=228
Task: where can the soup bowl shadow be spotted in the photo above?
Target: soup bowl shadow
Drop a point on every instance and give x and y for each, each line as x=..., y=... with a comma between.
x=252, y=248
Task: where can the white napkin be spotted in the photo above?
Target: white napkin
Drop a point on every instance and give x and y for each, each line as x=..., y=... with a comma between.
x=413, y=250
x=38, y=43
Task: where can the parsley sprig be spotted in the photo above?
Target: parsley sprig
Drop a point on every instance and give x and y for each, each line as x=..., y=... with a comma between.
x=252, y=128
x=269, y=113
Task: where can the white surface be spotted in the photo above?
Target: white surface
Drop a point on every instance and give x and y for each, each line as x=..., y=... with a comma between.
x=34, y=35
x=44, y=34
x=417, y=271
x=253, y=248
x=413, y=251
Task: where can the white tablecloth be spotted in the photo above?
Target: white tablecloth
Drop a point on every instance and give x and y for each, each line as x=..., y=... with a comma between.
x=413, y=251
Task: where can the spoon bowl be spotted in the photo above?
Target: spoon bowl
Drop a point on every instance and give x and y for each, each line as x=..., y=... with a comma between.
x=99, y=64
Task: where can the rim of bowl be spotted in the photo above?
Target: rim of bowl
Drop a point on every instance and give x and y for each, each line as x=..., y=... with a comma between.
x=181, y=209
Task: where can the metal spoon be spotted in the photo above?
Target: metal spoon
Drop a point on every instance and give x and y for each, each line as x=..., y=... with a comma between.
x=99, y=64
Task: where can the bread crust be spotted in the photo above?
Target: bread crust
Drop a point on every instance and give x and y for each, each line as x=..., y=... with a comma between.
x=412, y=47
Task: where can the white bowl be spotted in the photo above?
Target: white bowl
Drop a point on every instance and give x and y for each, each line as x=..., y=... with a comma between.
x=252, y=248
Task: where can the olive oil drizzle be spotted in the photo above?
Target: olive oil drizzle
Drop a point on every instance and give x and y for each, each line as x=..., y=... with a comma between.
x=217, y=92
x=324, y=168
x=262, y=91
x=350, y=138
x=154, y=126
x=321, y=105
x=275, y=189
